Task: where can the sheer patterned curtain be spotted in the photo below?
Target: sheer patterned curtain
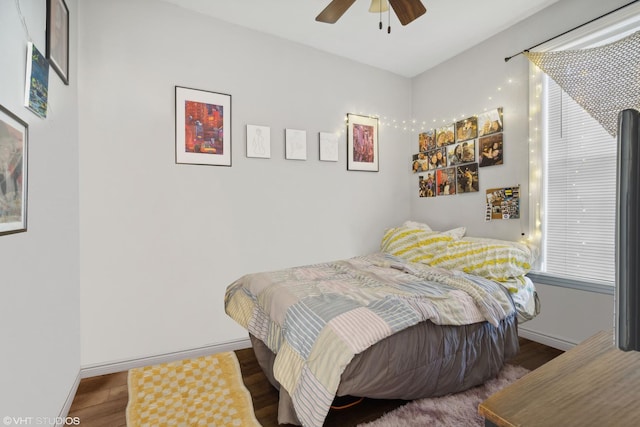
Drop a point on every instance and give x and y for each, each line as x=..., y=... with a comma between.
x=603, y=80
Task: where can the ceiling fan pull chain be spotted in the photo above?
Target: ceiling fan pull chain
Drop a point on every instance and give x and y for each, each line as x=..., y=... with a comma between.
x=389, y=21
x=380, y=25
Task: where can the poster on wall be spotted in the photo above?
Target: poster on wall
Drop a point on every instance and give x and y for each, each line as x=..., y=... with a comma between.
x=58, y=38
x=420, y=163
x=36, y=93
x=445, y=135
x=491, y=150
x=467, y=129
x=490, y=122
x=462, y=152
x=259, y=141
x=503, y=203
x=427, y=185
x=362, y=143
x=203, y=127
x=437, y=158
x=427, y=140
x=13, y=173
x=467, y=178
x=295, y=144
x=328, y=146
x=446, y=182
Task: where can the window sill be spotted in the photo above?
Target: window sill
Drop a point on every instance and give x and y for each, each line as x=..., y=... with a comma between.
x=545, y=279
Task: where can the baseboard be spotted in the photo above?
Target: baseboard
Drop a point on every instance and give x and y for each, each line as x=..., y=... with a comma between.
x=125, y=365
x=554, y=342
x=67, y=404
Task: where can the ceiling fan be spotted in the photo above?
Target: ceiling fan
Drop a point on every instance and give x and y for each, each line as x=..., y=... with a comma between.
x=406, y=10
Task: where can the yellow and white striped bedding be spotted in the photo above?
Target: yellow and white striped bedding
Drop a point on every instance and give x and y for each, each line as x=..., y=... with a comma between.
x=490, y=258
x=417, y=244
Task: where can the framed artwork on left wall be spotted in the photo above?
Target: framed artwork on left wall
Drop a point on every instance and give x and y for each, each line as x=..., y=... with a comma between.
x=203, y=127
x=58, y=38
x=36, y=91
x=13, y=172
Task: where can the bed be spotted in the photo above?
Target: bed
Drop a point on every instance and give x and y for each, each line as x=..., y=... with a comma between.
x=406, y=322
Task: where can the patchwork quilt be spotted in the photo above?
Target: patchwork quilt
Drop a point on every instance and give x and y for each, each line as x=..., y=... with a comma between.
x=316, y=318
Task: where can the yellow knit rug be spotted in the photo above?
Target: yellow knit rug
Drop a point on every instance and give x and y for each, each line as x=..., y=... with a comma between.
x=206, y=391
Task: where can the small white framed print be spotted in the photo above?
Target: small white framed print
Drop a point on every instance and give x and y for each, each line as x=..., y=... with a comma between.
x=259, y=141
x=328, y=147
x=296, y=144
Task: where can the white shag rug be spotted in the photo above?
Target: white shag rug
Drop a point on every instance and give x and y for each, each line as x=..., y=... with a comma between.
x=454, y=410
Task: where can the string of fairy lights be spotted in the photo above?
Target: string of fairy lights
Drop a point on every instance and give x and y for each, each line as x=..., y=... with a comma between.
x=416, y=125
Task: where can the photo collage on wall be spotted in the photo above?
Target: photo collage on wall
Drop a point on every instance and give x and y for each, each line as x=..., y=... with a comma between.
x=447, y=162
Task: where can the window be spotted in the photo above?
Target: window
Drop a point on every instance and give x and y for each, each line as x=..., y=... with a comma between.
x=573, y=172
x=579, y=190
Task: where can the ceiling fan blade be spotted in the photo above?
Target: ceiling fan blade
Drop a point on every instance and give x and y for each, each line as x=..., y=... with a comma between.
x=407, y=10
x=334, y=11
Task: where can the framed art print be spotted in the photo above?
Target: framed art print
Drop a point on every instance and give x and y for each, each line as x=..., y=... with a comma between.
x=295, y=144
x=58, y=38
x=203, y=127
x=259, y=141
x=36, y=91
x=13, y=173
x=362, y=143
x=328, y=147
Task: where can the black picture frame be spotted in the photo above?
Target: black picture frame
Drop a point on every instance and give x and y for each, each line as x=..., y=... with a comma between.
x=58, y=38
x=362, y=143
x=14, y=139
x=203, y=127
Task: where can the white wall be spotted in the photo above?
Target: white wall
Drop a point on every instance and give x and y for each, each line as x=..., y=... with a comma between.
x=568, y=316
x=467, y=84
x=160, y=242
x=39, y=286
x=460, y=88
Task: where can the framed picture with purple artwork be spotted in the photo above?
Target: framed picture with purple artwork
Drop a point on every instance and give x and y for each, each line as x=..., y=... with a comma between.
x=362, y=143
x=13, y=173
x=203, y=127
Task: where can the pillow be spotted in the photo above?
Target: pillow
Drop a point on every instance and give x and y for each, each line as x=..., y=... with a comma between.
x=492, y=259
x=413, y=244
x=414, y=224
x=456, y=233
x=533, y=250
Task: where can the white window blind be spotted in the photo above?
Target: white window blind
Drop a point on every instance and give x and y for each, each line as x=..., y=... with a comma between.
x=573, y=169
x=579, y=187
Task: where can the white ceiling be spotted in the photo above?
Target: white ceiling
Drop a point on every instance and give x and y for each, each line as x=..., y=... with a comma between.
x=448, y=28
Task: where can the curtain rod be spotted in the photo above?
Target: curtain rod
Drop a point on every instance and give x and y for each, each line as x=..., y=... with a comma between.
x=568, y=31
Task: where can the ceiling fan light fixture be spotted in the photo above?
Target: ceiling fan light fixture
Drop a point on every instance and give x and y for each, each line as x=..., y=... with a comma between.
x=378, y=6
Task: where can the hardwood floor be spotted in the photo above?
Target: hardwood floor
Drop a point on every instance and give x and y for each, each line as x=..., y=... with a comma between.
x=101, y=401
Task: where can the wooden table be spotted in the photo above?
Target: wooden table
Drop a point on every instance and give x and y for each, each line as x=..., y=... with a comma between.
x=593, y=384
